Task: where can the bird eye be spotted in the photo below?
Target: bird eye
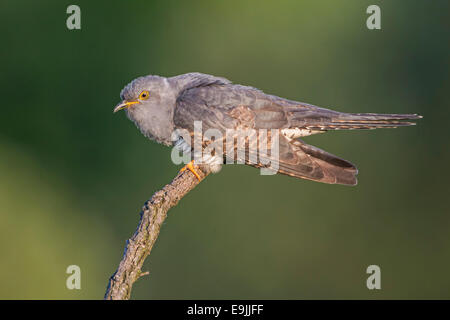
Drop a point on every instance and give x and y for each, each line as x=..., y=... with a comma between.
x=144, y=95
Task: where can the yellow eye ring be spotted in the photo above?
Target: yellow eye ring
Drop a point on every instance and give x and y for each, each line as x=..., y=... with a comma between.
x=144, y=95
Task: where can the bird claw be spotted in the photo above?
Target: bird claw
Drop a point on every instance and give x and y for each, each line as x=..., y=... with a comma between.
x=191, y=168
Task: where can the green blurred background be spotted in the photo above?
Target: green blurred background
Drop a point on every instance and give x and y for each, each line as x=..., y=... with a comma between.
x=73, y=176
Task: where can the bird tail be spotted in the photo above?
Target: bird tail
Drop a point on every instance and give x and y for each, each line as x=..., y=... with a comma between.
x=351, y=121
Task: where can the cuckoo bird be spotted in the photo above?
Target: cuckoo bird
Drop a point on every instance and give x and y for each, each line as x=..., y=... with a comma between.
x=159, y=106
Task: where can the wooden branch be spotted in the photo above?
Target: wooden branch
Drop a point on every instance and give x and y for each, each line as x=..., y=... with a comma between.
x=139, y=246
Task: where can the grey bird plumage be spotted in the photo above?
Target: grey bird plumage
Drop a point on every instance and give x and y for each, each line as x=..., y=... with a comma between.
x=159, y=105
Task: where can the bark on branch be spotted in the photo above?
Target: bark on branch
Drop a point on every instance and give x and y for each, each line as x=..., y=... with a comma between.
x=139, y=246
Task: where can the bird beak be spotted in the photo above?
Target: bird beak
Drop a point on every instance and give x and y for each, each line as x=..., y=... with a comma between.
x=124, y=105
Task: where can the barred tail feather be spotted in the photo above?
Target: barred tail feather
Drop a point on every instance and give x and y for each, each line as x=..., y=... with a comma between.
x=351, y=121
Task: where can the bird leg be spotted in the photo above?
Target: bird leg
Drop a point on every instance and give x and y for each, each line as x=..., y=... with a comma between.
x=190, y=166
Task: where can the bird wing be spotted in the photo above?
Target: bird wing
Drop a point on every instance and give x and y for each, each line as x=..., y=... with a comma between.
x=235, y=107
x=301, y=160
x=228, y=106
x=293, y=158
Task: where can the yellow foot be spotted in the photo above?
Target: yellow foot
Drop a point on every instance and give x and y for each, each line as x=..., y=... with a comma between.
x=191, y=168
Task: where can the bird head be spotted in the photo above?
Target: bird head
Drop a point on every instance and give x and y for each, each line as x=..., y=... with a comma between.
x=142, y=92
x=150, y=102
